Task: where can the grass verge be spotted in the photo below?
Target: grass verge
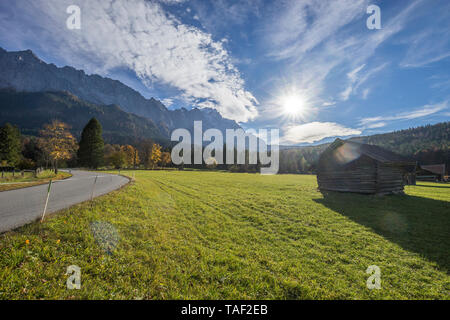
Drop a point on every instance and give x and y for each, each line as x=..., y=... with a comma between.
x=28, y=180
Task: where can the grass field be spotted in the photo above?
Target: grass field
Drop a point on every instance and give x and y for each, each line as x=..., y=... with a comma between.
x=211, y=235
x=10, y=182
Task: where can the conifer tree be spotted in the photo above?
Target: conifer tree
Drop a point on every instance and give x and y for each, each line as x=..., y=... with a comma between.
x=90, y=153
x=10, y=146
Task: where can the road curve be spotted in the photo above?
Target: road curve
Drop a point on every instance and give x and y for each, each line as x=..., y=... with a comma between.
x=21, y=206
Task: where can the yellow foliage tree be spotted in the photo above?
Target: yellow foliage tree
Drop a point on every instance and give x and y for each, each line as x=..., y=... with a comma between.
x=155, y=156
x=136, y=158
x=57, y=142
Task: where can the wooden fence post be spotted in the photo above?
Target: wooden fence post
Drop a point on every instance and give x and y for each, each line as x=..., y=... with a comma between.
x=46, y=201
x=93, y=188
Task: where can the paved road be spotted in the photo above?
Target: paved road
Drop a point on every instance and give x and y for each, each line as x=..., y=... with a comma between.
x=22, y=206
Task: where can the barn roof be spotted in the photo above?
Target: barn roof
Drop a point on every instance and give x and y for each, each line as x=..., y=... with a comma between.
x=377, y=153
x=435, y=168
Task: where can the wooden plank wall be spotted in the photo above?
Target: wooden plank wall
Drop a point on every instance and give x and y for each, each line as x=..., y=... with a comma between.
x=369, y=177
x=390, y=179
x=361, y=179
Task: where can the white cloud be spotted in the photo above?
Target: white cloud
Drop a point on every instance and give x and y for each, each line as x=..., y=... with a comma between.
x=167, y=102
x=141, y=36
x=346, y=93
x=319, y=37
x=304, y=25
x=172, y=2
x=328, y=103
x=353, y=75
x=357, y=78
x=421, y=112
x=376, y=125
x=316, y=131
x=430, y=45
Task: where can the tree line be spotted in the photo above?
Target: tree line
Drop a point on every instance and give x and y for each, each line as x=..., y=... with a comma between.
x=57, y=147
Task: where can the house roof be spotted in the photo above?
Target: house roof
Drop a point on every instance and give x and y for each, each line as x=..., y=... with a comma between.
x=435, y=168
x=374, y=152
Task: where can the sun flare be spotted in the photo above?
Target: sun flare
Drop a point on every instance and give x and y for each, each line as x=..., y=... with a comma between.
x=293, y=104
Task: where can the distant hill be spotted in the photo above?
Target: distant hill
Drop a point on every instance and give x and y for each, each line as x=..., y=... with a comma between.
x=31, y=110
x=24, y=71
x=412, y=141
x=428, y=144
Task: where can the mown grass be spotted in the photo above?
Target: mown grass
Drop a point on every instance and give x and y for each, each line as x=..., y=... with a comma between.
x=10, y=182
x=213, y=235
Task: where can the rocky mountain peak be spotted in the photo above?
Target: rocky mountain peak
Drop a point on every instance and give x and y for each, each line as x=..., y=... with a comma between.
x=24, y=71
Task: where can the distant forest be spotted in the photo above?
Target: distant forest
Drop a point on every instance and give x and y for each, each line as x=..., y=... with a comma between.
x=428, y=144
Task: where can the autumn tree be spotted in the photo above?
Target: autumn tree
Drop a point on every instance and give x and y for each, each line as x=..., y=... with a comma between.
x=165, y=158
x=136, y=159
x=90, y=153
x=145, y=150
x=57, y=142
x=155, y=156
x=132, y=155
x=10, y=146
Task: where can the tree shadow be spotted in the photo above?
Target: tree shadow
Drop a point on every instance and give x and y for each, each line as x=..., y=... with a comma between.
x=417, y=224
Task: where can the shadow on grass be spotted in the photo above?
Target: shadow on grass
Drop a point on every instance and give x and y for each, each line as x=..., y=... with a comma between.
x=417, y=224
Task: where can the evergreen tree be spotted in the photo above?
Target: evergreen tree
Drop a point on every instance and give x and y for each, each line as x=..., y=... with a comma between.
x=10, y=146
x=90, y=153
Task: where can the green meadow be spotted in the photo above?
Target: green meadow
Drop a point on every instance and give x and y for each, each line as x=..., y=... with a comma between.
x=219, y=235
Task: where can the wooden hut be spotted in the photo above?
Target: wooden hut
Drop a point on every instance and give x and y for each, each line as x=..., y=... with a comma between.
x=349, y=166
x=432, y=172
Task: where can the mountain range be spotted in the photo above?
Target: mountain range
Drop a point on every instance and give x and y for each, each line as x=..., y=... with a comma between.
x=23, y=71
x=31, y=110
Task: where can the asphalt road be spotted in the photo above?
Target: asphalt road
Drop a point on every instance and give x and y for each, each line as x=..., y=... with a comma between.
x=22, y=206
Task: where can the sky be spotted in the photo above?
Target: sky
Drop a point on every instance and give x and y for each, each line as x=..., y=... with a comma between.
x=312, y=68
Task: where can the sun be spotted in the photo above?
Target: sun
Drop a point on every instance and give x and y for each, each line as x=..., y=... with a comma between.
x=293, y=104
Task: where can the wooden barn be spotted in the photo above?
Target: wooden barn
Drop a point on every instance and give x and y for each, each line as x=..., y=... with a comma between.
x=433, y=172
x=349, y=166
